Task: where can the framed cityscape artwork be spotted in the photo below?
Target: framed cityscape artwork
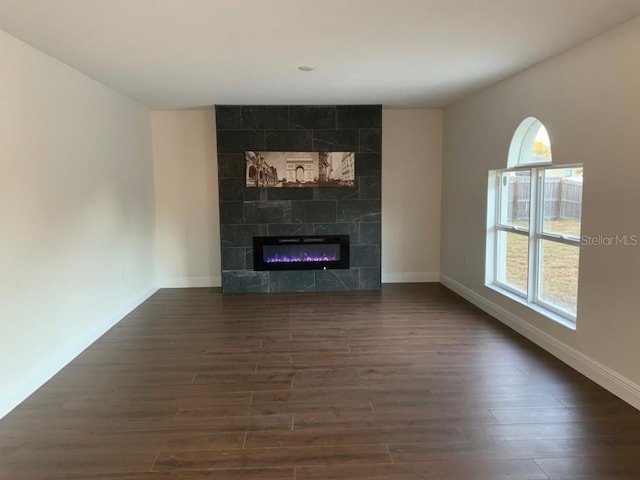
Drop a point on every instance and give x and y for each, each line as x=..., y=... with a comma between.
x=300, y=169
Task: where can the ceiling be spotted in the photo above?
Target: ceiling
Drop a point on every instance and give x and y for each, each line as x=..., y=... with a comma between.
x=400, y=53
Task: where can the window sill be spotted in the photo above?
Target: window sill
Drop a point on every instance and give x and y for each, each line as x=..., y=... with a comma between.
x=565, y=322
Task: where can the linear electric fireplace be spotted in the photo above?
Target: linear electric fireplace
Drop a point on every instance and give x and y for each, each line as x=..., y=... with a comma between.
x=312, y=252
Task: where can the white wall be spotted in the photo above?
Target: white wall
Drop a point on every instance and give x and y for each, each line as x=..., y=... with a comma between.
x=411, y=180
x=76, y=203
x=589, y=100
x=186, y=193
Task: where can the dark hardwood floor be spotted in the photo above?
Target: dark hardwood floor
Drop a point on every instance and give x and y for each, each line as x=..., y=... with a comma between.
x=405, y=384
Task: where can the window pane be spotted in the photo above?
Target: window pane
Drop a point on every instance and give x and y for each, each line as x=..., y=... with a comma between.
x=559, y=279
x=562, y=201
x=513, y=260
x=541, y=149
x=514, y=198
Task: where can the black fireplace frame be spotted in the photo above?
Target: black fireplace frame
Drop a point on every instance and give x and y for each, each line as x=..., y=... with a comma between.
x=258, y=252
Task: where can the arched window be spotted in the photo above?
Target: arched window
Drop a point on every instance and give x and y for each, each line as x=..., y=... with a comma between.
x=533, y=226
x=530, y=144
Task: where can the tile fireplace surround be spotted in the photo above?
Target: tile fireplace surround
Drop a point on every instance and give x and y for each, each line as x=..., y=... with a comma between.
x=250, y=212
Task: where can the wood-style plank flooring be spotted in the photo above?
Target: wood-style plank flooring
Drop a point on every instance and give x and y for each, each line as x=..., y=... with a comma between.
x=409, y=383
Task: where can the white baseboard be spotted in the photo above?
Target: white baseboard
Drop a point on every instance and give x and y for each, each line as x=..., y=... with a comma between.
x=32, y=380
x=410, y=277
x=601, y=374
x=190, y=282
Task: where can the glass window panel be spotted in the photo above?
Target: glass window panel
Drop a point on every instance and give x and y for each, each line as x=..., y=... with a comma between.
x=513, y=260
x=541, y=148
x=562, y=189
x=515, y=188
x=559, y=276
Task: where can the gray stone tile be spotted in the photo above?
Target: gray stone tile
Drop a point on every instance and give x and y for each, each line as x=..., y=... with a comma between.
x=290, y=193
x=228, y=117
x=365, y=256
x=359, y=116
x=231, y=212
x=361, y=211
x=267, y=212
x=292, y=281
x=242, y=281
x=370, y=234
x=371, y=141
x=335, y=141
x=370, y=188
x=337, y=193
x=231, y=165
x=233, y=258
x=311, y=117
x=369, y=279
x=248, y=258
x=321, y=211
x=299, y=211
x=234, y=189
x=239, y=141
x=290, y=229
x=241, y=235
x=289, y=140
x=332, y=280
x=368, y=164
x=265, y=117
x=351, y=229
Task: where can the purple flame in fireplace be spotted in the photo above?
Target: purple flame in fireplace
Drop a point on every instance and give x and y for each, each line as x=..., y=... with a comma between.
x=301, y=258
x=300, y=253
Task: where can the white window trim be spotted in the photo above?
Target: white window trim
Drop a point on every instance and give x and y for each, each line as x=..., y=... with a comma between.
x=535, y=233
x=550, y=314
